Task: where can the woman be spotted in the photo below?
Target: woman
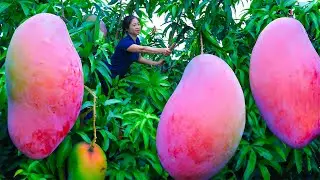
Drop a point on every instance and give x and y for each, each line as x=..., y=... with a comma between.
x=127, y=52
x=128, y=49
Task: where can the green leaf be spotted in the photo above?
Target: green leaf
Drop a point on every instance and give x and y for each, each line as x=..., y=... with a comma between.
x=4, y=6
x=251, y=165
x=63, y=151
x=18, y=172
x=24, y=8
x=139, y=175
x=289, y=3
x=97, y=29
x=157, y=167
x=273, y=164
x=77, y=11
x=281, y=153
x=111, y=136
x=43, y=8
x=120, y=175
x=298, y=160
x=308, y=163
x=264, y=153
x=86, y=105
x=187, y=4
x=264, y=171
x=259, y=141
x=33, y=165
x=243, y=153
x=174, y=11
x=33, y=176
x=92, y=62
x=145, y=139
x=111, y=101
x=146, y=154
x=48, y=176
x=200, y=7
x=105, y=142
x=142, y=124
x=84, y=27
x=308, y=151
x=309, y=6
x=84, y=136
x=123, y=144
x=51, y=163
x=104, y=70
x=113, y=2
x=314, y=20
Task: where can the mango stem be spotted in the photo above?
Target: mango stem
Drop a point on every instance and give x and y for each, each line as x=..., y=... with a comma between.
x=62, y=9
x=94, y=118
x=201, y=43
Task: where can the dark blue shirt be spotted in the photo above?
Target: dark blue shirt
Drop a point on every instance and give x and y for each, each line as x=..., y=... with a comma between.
x=122, y=59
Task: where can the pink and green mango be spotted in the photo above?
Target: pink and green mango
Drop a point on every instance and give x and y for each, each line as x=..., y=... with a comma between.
x=86, y=162
x=45, y=85
x=203, y=121
x=285, y=81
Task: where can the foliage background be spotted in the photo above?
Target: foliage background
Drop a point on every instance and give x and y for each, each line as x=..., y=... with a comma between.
x=127, y=117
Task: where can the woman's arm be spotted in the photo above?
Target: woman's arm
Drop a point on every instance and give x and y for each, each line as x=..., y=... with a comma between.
x=147, y=49
x=143, y=60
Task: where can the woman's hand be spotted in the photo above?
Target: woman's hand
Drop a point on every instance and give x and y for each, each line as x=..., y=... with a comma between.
x=160, y=62
x=165, y=51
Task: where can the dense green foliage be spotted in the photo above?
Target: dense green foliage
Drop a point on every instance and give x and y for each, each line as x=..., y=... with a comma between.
x=127, y=117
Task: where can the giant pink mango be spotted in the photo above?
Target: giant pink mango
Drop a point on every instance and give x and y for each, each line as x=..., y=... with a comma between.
x=203, y=121
x=44, y=81
x=285, y=81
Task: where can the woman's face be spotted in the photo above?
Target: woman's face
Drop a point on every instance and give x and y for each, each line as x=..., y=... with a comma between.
x=134, y=27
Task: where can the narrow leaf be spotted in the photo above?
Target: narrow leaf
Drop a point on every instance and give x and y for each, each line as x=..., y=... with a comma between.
x=18, y=172
x=111, y=101
x=251, y=165
x=84, y=136
x=4, y=6
x=298, y=160
x=264, y=171
x=63, y=151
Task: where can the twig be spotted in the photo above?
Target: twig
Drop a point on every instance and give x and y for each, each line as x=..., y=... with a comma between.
x=201, y=43
x=62, y=9
x=117, y=33
x=62, y=13
x=94, y=118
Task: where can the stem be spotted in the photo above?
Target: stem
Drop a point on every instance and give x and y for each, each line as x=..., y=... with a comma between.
x=62, y=9
x=117, y=34
x=201, y=43
x=61, y=173
x=94, y=118
x=62, y=13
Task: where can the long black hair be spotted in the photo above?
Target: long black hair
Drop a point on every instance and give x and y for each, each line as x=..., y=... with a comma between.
x=126, y=23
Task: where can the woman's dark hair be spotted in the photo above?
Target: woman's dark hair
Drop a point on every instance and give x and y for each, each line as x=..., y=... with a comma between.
x=126, y=22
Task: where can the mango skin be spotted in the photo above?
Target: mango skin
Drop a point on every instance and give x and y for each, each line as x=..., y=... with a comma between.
x=86, y=165
x=203, y=121
x=44, y=81
x=285, y=82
